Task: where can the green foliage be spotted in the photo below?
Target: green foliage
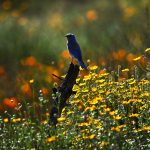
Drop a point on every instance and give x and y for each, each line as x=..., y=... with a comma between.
x=104, y=114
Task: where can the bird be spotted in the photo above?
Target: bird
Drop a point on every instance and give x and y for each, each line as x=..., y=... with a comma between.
x=74, y=49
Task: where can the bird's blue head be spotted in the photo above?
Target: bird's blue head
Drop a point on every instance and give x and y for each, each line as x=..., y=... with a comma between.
x=70, y=37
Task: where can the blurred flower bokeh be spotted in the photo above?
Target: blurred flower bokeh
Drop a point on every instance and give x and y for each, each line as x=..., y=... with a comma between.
x=33, y=46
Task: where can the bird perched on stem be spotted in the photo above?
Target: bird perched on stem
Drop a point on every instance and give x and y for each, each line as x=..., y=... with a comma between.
x=74, y=49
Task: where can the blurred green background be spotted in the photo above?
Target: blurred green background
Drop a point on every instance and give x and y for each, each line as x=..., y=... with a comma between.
x=32, y=36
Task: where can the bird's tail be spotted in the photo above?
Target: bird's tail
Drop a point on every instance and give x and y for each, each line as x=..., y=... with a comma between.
x=82, y=64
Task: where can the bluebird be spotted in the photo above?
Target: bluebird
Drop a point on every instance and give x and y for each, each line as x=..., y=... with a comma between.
x=74, y=49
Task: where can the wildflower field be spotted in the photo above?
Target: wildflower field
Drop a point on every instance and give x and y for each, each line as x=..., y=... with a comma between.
x=110, y=105
x=108, y=111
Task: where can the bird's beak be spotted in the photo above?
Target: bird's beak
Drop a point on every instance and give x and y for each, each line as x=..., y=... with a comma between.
x=65, y=35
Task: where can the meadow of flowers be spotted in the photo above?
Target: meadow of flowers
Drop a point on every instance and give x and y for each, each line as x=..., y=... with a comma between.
x=111, y=107
x=110, y=110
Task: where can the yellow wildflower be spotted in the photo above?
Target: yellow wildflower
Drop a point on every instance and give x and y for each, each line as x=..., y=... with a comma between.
x=103, y=85
x=69, y=112
x=82, y=84
x=61, y=119
x=117, y=129
x=16, y=120
x=125, y=70
x=94, y=89
x=89, y=137
x=31, y=81
x=64, y=133
x=147, y=128
x=32, y=149
x=63, y=76
x=93, y=121
x=135, y=100
x=104, y=74
x=63, y=109
x=137, y=58
x=113, y=112
x=77, y=80
x=133, y=82
x=103, y=144
x=93, y=102
x=93, y=67
x=106, y=109
x=68, y=122
x=83, y=124
x=85, y=90
x=143, y=107
x=93, y=107
x=98, y=127
x=94, y=74
x=85, y=131
x=101, y=91
x=51, y=139
x=75, y=88
x=88, y=77
x=77, y=95
x=75, y=101
x=133, y=115
x=145, y=94
x=100, y=81
x=147, y=50
x=5, y=120
x=137, y=130
x=117, y=117
x=44, y=122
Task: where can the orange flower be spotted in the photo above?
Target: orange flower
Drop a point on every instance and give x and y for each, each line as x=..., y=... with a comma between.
x=48, y=78
x=130, y=57
x=50, y=69
x=129, y=12
x=29, y=61
x=61, y=65
x=102, y=71
x=16, y=13
x=10, y=102
x=83, y=73
x=6, y=5
x=2, y=71
x=26, y=89
x=55, y=21
x=91, y=15
x=119, y=55
x=65, y=54
x=45, y=91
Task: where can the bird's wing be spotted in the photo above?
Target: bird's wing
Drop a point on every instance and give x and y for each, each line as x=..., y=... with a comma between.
x=75, y=50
